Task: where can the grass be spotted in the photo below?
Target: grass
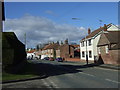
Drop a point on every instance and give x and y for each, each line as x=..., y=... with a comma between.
x=26, y=72
x=8, y=76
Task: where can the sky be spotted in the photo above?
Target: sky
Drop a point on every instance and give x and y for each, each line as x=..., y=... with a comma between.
x=52, y=21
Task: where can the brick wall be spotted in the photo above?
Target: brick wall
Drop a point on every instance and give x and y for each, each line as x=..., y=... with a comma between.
x=66, y=51
x=110, y=58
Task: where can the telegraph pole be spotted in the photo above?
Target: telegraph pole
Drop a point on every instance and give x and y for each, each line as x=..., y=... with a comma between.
x=25, y=40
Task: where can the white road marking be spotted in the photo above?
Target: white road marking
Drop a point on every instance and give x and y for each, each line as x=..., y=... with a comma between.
x=106, y=69
x=112, y=81
x=87, y=74
x=45, y=83
x=50, y=83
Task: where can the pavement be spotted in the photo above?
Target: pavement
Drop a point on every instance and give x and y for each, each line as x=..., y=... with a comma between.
x=108, y=66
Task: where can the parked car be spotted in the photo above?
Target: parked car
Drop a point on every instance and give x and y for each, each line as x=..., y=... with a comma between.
x=46, y=58
x=59, y=59
x=51, y=59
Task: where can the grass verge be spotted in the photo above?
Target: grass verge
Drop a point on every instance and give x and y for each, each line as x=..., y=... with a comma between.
x=28, y=71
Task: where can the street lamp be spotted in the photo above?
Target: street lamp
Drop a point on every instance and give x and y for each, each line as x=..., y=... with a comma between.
x=86, y=51
x=85, y=41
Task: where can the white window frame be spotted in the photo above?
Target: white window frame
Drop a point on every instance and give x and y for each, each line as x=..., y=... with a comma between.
x=106, y=49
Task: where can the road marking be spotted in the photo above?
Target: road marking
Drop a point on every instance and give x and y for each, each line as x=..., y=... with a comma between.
x=105, y=69
x=87, y=74
x=45, y=83
x=112, y=81
x=51, y=84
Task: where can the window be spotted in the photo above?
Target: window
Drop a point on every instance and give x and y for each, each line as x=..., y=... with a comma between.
x=83, y=54
x=90, y=54
x=82, y=43
x=89, y=42
x=107, y=50
x=99, y=50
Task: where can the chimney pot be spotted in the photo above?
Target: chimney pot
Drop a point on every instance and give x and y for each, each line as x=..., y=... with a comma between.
x=89, y=31
x=105, y=27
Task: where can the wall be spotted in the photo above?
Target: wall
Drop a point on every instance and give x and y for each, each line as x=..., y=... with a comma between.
x=66, y=51
x=113, y=28
x=13, y=51
x=92, y=48
x=111, y=58
x=95, y=42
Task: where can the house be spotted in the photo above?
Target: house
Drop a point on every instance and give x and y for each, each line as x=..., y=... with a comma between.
x=66, y=50
x=50, y=50
x=109, y=48
x=63, y=50
x=88, y=45
x=32, y=54
x=76, y=50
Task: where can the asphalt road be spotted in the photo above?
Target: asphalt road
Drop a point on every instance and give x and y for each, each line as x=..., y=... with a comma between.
x=70, y=75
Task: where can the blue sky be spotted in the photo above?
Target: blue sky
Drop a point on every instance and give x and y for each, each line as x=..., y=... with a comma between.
x=89, y=13
x=61, y=12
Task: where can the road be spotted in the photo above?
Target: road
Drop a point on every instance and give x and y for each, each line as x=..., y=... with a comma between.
x=70, y=75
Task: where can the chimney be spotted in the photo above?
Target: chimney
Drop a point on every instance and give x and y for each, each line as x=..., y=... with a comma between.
x=66, y=41
x=105, y=27
x=89, y=31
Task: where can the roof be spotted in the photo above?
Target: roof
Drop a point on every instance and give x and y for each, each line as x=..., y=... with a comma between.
x=75, y=46
x=51, y=46
x=117, y=46
x=31, y=51
x=112, y=37
x=96, y=31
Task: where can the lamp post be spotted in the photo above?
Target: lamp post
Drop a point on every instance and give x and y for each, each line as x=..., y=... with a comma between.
x=85, y=42
x=86, y=51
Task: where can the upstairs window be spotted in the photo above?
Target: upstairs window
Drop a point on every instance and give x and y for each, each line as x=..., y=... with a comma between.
x=89, y=42
x=82, y=43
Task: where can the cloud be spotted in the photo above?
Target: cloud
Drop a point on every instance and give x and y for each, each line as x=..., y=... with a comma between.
x=41, y=30
x=51, y=13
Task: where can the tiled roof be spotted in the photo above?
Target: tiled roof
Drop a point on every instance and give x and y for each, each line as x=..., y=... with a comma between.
x=117, y=46
x=112, y=37
x=31, y=51
x=96, y=31
x=75, y=46
x=51, y=46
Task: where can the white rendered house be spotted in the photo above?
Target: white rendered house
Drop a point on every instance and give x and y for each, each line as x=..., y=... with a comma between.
x=88, y=45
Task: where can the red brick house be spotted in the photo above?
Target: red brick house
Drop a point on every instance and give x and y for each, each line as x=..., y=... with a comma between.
x=109, y=47
x=51, y=50
x=69, y=51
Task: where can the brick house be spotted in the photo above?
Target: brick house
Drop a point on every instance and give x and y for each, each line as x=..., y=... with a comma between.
x=88, y=45
x=50, y=50
x=109, y=48
x=66, y=50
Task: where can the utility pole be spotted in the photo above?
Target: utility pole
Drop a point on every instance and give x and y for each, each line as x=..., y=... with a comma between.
x=86, y=51
x=25, y=41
